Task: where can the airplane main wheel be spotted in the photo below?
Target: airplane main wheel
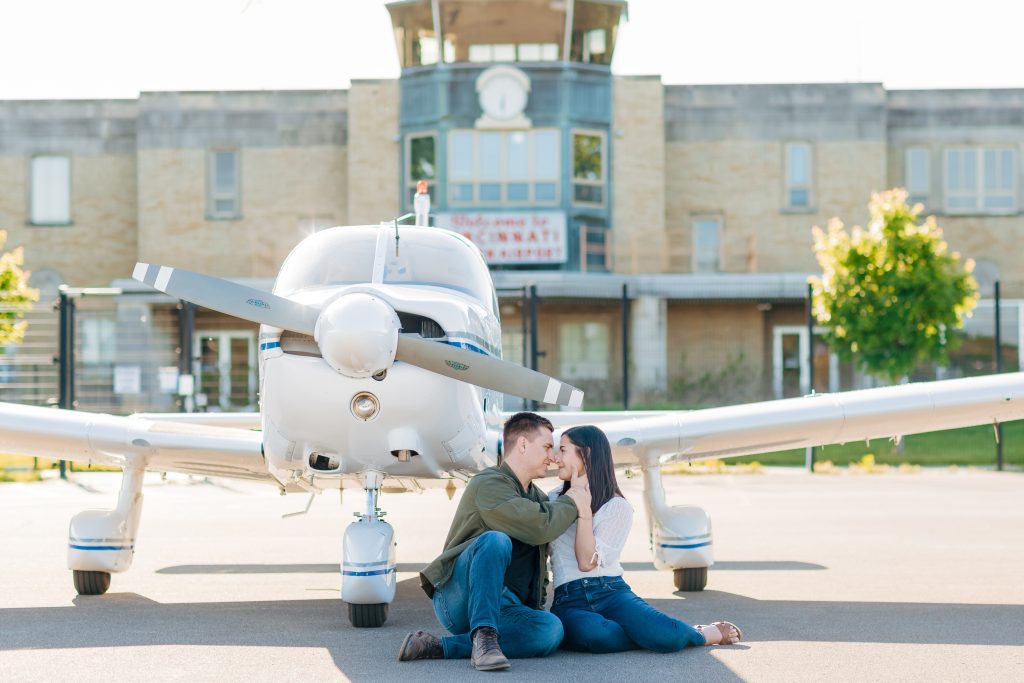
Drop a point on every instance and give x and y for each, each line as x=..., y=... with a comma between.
x=91, y=583
x=690, y=579
x=368, y=616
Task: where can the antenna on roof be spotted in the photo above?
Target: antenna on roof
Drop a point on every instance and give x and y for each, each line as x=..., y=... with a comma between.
x=403, y=217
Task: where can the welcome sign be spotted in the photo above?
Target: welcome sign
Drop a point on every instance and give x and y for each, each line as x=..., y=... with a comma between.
x=515, y=237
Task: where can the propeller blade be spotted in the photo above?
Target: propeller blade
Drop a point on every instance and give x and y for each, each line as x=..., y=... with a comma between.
x=485, y=371
x=218, y=294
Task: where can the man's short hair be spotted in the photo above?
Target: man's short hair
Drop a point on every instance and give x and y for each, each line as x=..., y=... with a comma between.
x=524, y=424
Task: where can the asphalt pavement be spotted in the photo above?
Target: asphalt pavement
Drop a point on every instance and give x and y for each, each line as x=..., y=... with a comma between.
x=841, y=577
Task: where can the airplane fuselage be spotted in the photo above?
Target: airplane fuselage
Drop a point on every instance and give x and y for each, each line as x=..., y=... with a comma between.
x=312, y=427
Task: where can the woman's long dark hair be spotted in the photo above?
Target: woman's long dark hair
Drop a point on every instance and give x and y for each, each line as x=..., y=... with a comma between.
x=596, y=453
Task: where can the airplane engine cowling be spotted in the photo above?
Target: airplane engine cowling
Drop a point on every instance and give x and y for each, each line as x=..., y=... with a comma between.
x=358, y=334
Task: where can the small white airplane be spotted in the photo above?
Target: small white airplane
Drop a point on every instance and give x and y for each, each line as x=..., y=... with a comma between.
x=380, y=365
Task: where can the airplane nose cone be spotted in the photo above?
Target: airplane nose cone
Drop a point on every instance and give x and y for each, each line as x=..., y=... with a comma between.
x=358, y=334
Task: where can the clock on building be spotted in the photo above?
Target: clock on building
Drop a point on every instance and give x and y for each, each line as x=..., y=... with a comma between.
x=503, y=92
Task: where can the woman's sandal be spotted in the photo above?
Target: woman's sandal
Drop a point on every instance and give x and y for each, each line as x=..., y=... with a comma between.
x=731, y=633
x=728, y=633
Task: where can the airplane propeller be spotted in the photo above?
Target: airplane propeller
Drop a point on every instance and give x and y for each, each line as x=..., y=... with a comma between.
x=225, y=296
x=362, y=351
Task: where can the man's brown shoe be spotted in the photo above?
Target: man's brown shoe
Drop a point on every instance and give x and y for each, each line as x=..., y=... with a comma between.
x=420, y=645
x=487, y=654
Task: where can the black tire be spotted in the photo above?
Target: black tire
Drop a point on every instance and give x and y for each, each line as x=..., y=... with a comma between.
x=368, y=616
x=91, y=583
x=690, y=579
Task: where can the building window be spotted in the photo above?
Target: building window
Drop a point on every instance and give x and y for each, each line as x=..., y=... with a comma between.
x=503, y=167
x=595, y=46
x=981, y=180
x=507, y=52
x=707, y=244
x=583, y=350
x=98, y=341
x=918, y=175
x=798, y=175
x=420, y=162
x=588, y=167
x=223, y=200
x=50, y=202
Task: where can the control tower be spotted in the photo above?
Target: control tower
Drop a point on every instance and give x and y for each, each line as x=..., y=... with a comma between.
x=506, y=108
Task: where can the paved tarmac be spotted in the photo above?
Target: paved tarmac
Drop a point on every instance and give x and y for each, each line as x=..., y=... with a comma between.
x=832, y=577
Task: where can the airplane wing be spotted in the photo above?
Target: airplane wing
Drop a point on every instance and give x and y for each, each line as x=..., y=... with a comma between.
x=249, y=420
x=815, y=420
x=162, y=446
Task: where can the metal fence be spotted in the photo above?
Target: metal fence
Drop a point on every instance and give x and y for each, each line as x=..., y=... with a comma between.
x=107, y=351
x=28, y=371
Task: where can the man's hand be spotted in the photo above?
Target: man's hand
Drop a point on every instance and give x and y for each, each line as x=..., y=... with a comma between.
x=579, y=491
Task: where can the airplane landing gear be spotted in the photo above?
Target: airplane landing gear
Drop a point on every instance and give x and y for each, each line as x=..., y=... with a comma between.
x=368, y=616
x=690, y=578
x=91, y=583
x=680, y=536
x=102, y=542
x=368, y=561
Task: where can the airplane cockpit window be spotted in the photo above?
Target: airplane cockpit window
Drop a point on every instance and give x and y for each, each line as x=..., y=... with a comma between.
x=425, y=257
x=434, y=257
x=338, y=256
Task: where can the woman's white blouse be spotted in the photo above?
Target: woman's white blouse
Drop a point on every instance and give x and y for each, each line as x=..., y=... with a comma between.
x=612, y=523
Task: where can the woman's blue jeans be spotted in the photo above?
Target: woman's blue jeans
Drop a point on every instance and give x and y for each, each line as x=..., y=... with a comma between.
x=476, y=596
x=602, y=614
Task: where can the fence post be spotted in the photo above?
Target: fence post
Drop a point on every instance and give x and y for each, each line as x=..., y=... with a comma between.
x=999, y=368
x=809, y=455
x=66, y=351
x=186, y=329
x=625, y=346
x=534, y=354
x=524, y=315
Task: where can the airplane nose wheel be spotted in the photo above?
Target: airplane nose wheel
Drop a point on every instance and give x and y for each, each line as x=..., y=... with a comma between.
x=368, y=616
x=368, y=561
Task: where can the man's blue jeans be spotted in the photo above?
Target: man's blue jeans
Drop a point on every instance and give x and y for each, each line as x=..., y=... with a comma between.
x=602, y=614
x=476, y=596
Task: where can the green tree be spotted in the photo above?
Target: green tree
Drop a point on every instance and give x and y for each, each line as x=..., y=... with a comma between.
x=888, y=294
x=15, y=295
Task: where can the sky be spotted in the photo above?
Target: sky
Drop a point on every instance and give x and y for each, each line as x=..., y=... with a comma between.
x=55, y=49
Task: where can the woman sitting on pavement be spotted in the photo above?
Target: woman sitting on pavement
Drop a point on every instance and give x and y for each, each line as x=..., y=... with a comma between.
x=598, y=610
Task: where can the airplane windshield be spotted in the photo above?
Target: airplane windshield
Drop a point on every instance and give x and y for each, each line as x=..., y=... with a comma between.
x=338, y=256
x=425, y=257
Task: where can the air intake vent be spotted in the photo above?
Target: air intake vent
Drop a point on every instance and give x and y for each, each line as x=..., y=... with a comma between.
x=418, y=324
x=299, y=344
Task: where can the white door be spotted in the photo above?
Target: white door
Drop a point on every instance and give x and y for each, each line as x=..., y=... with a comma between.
x=790, y=370
x=225, y=368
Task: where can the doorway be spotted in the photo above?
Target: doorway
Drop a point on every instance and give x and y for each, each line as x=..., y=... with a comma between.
x=225, y=369
x=791, y=374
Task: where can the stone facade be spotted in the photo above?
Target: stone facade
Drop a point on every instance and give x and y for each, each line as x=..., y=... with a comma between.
x=100, y=241
x=638, y=176
x=725, y=151
x=141, y=190
x=292, y=167
x=937, y=120
x=140, y=173
x=374, y=179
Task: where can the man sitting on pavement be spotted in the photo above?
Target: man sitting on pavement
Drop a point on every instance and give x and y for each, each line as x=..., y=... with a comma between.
x=488, y=585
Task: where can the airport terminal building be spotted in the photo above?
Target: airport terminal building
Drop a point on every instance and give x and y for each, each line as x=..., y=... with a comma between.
x=616, y=212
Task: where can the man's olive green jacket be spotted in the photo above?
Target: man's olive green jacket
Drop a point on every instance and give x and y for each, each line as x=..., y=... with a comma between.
x=494, y=500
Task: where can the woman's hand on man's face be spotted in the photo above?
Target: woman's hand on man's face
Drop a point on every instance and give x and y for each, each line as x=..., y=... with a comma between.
x=579, y=491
